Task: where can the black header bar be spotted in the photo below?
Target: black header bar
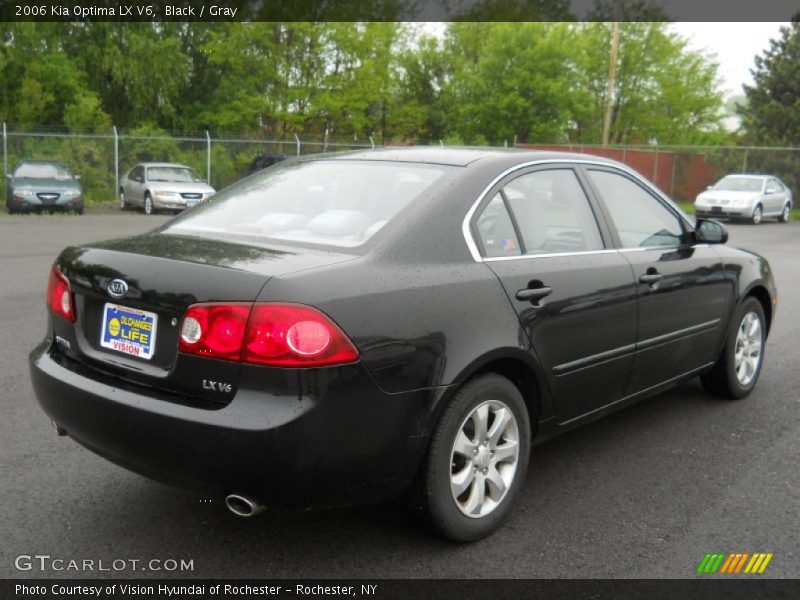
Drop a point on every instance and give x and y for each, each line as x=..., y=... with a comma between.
x=397, y=10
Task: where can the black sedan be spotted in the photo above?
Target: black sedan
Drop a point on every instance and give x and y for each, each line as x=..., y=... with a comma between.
x=43, y=185
x=348, y=328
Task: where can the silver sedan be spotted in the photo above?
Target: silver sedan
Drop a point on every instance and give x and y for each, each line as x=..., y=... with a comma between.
x=162, y=186
x=749, y=197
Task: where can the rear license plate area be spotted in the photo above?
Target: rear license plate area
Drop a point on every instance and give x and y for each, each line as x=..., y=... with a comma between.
x=129, y=330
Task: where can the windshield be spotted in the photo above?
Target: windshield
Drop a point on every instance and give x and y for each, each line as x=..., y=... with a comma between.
x=173, y=174
x=338, y=203
x=740, y=184
x=43, y=171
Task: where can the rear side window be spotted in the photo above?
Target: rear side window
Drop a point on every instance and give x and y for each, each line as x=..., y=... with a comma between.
x=496, y=230
x=335, y=202
x=641, y=220
x=553, y=213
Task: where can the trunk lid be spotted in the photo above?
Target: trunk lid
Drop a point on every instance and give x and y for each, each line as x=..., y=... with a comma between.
x=164, y=274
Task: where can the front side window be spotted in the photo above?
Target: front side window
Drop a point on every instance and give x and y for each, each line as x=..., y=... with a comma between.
x=553, y=213
x=640, y=219
x=334, y=202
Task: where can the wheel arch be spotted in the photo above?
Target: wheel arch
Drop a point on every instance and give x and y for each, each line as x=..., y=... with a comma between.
x=760, y=293
x=517, y=366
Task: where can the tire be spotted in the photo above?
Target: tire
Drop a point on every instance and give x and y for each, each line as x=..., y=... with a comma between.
x=79, y=210
x=758, y=215
x=786, y=214
x=494, y=397
x=123, y=202
x=148, y=205
x=725, y=380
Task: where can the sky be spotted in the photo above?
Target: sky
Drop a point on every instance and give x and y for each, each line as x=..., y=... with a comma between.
x=735, y=46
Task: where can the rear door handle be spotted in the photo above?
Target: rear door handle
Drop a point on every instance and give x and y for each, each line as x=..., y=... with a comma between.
x=651, y=278
x=534, y=294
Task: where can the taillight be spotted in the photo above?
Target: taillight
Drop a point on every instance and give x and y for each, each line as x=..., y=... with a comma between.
x=293, y=335
x=281, y=335
x=60, y=300
x=214, y=330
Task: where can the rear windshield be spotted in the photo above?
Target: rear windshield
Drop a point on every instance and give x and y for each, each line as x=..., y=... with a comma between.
x=335, y=202
x=173, y=174
x=739, y=184
x=43, y=171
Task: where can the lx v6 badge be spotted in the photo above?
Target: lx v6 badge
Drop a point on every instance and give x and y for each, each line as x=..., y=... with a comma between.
x=217, y=386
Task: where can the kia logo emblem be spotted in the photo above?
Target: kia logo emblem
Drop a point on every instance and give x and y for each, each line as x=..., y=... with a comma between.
x=117, y=288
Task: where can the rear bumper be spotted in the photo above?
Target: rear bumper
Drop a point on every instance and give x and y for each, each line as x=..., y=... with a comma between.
x=292, y=438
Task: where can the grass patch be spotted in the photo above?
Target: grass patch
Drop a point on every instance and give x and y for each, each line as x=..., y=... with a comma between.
x=688, y=208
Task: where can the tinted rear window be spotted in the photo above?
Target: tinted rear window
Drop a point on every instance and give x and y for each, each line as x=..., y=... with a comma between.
x=336, y=203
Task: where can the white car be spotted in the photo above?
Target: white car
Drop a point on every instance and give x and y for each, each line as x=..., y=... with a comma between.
x=749, y=197
x=162, y=186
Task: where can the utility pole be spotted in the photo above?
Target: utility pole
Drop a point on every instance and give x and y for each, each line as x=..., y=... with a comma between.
x=612, y=80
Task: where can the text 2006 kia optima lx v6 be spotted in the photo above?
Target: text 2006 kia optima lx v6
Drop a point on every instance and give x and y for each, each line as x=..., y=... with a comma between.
x=348, y=328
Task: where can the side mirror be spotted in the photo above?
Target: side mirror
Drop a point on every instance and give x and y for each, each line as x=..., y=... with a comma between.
x=709, y=187
x=708, y=231
x=9, y=176
x=77, y=177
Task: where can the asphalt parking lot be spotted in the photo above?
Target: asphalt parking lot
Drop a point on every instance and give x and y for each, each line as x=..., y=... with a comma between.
x=643, y=493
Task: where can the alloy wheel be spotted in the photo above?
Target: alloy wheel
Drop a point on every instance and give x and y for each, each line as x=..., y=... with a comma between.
x=749, y=346
x=757, y=215
x=484, y=458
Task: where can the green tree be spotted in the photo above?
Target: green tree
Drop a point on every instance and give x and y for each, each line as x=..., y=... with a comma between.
x=664, y=92
x=771, y=114
x=422, y=86
x=516, y=89
x=139, y=70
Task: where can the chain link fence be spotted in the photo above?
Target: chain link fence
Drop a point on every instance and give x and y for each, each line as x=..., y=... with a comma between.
x=101, y=159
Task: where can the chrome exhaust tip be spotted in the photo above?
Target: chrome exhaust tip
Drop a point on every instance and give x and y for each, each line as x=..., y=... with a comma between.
x=242, y=506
